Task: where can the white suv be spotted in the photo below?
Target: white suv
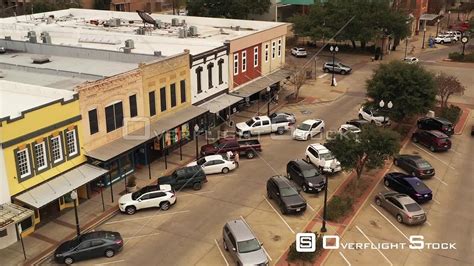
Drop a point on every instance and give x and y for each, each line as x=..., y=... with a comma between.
x=443, y=39
x=299, y=52
x=321, y=157
x=373, y=115
x=162, y=196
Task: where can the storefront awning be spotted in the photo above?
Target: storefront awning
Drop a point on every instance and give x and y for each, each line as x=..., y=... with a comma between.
x=429, y=17
x=59, y=186
x=11, y=213
x=220, y=102
x=136, y=138
x=261, y=83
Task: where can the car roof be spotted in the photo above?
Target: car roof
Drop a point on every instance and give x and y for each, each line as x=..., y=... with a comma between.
x=404, y=199
x=281, y=181
x=438, y=134
x=311, y=121
x=411, y=156
x=360, y=121
x=319, y=147
x=214, y=157
x=304, y=165
x=95, y=235
x=349, y=126
x=442, y=120
x=240, y=230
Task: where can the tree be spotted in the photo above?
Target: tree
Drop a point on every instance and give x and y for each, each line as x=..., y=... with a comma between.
x=409, y=87
x=369, y=150
x=446, y=86
x=102, y=4
x=237, y=9
x=298, y=79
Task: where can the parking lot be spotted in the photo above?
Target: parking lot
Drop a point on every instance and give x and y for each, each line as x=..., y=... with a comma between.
x=452, y=188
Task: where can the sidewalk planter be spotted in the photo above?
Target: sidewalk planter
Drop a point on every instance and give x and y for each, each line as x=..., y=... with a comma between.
x=132, y=184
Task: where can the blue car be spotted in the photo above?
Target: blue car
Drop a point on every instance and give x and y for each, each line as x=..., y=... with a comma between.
x=410, y=185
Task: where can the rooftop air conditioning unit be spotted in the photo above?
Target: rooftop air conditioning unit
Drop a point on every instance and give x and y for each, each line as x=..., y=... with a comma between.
x=141, y=31
x=46, y=37
x=182, y=33
x=157, y=53
x=193, y=31
x=40, y=59
x=129, y=44
x=32, y=37
x=175, y=22
x=126, y=50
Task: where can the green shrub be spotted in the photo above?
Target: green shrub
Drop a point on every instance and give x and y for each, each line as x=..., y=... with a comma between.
x=294, y=255
x=456, y=56
x=451, y=113
x=338, y=207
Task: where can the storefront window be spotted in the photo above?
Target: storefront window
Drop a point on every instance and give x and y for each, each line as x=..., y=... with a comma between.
x=185, y=131
x=67, y=198
x=25, y=224
x=126, y=162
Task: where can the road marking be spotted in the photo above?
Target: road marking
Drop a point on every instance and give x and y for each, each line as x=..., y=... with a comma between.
x=322, y=76
x=428, y=223
x=182, y=194
x=310, y=206
x=389, y=222
x=146, y=217
x=342, y=255
x=386, y=188
x=220, y=251
x=436, y=201
x=373, y=244
x=132, y=237
x=436, y=157
x=279, y=215
x=110, y=262
x=442, y=182
x=264, y=250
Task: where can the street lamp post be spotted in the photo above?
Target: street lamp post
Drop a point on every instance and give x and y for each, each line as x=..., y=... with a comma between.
x=406, y=47
x=449, y=16
x=74, y=198
x=333, y=167
x=196, y=130
x=389, y=106
x=437, y=27
x=424, y=33
x=269, y=100
x=334, y=50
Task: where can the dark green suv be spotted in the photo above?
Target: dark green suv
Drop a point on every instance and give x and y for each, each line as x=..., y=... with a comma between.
x=191, y=176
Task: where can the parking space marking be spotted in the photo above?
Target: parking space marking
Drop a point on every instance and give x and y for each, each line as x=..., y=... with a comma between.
x=437, y=202
x=342, y=255
x=222, y=253
x=322, y=76
x=194, y=193
x=279, y=215
x=264, y=250
x=442, y=182
x=389, y=222
x=146, y=217
x=310, y=207
x=372, y=243
x=436, y=157
x=132, y=237
x=386, y=188
x=110, y=262
x=428, y=223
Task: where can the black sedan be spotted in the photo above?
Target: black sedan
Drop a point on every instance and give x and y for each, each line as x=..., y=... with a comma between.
x=88, y=246
x=306, y=175
x=414, y=165
x=410, y=185
x=360, y=123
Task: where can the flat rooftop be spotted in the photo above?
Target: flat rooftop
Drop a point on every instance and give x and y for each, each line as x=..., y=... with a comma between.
x=98, y=29
x=17, y=97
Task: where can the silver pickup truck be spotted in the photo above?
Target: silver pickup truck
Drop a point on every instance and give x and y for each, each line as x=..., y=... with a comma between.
x=261, y=125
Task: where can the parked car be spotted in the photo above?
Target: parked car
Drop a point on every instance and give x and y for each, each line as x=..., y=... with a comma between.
x=299, y=52
x=456, y=35
x=317, y=153
x=404, y=208
x=408, y=184
x=261, y=125
x=373, y=115
x=89, y=245
x=414, y=165
x=337, y=67
x=360, y=123
x=161, y=196
x=243, y=245
x=436, y=123
x=291, y=118
x=411, y=60
x=305, y=175
x=247, y=148
x=308, y=129
x=285, y=195
x=442, y=39
x=433, y=139
x=349, y=128
x=213, y=164
x=189, y=176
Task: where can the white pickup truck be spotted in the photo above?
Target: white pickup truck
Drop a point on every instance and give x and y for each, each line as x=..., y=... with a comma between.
x=261, y=125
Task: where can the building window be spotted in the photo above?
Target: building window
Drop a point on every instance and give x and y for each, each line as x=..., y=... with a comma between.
x=93, y=123
x=279, y=48
x=72, y=142
x=236, y=64
x=244, y=61
x=114, y=116
x=266, y=52
x=210, y=66
x=152, y=103
x=23, y=163
x=133, y=105
x=198, y=78
x=220, y=63
x=41, y=157
x=255, y=56
x=182, y=84
x=273, y=49
x=173, y=94
x=163, y=98
x=56, y=149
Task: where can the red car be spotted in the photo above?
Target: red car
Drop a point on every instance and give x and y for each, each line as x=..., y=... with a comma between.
x=433, y=139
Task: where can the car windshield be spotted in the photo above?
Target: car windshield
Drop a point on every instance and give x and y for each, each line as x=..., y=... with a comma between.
x=354, y=129
x=304, y=127
x=423, y=165
x=413, y=207
x=136, y=194
x=420, y=186
x=201, y=161
x=326, y=156
x=249, y=122
x=288, y=191
x=248, y=246
x=311, y=172
x=343, y=65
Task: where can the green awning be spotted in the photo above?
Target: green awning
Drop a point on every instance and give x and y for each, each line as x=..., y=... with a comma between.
x=297, y=2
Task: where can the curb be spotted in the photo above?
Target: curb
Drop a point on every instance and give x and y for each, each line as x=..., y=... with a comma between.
x=462, y=120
